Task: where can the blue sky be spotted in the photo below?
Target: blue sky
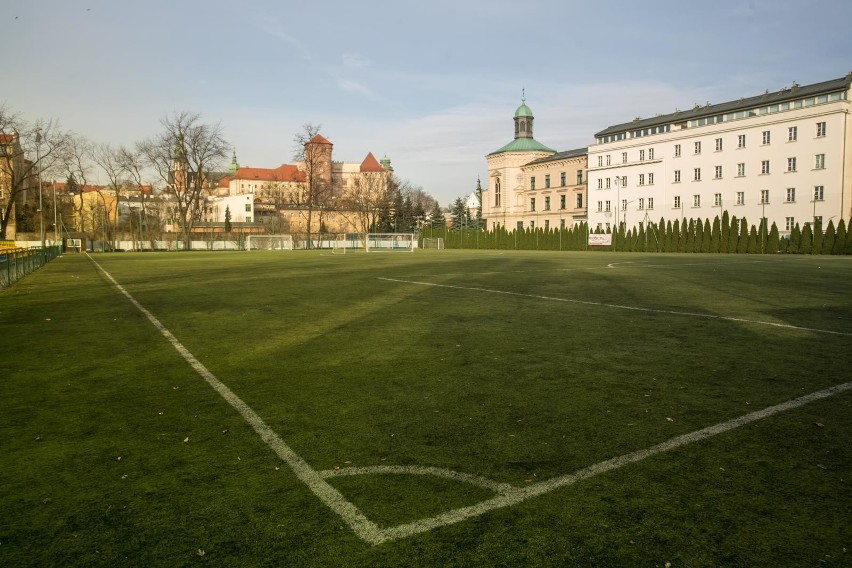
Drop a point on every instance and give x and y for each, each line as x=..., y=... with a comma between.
x=432, y=85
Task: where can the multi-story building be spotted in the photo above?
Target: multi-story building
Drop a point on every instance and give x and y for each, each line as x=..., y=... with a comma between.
x=783, y=156
x=531, y=185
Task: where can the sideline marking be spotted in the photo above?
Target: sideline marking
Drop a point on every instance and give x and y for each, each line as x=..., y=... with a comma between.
x=507, y=494
x=618, y=306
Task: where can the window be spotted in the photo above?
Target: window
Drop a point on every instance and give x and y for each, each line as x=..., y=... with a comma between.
x=792, y=134
x=650, y=153
x=607, y=183
x=677, y=150
x=764, y=196
x=696, y=174
x=248, y=219
x=600, y=183
x=579, y=177
x=696, y=200
x=607, y=159
x=641, y=155
x=547, y=203
x=820, y=129
x=718, y=172
x=497, y=192
x=791, y=222
x=520, y=225
x=819, y=161
x=623, y=204
x=624, y=157
x=623, y=181
x=641, y=203
x=607, y=205
x=791, y=195
x=718, y=144
x=248, y=207
x=677, y=176
x=698, y=147
x=532, y=183
x=717, y=200
x=579, y=201
x=650, y=203
x=818, y=220
x=766, y=137
x=650, y=179
x=546, y=181
x=791, y=164
x=740, y=198
x=562, y=179
x=741, y=141
x=818, y=193
x=600, y=160
x=677, y=201
x=600, y=206
x=562, y=202
x=562, y=223
x=532, y=203
x=764, y=167
x=641, y=179
x=740, y=170
x=546, y=224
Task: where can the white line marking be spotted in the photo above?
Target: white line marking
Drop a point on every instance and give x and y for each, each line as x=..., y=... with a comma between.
x=360, y=524
x=617, y=306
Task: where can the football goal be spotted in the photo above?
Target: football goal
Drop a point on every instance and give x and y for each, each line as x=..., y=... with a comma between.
x=433, y=243
x=392, y=242
x=269, y=242
x=344, y=242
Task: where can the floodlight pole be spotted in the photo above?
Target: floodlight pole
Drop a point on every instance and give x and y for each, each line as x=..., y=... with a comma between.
x=38, y=178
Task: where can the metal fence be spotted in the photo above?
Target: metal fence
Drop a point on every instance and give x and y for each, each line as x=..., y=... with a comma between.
x=15, y=263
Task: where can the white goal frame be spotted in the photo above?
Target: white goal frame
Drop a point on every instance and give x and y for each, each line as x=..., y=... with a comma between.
x=390, y=242
x=433, y=243
x=269, y=242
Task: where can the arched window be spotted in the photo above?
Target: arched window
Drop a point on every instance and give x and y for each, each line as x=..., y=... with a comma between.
x=496, y=192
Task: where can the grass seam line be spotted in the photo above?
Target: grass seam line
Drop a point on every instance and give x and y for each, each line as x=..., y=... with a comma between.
x=619, y=306
x=335, y=500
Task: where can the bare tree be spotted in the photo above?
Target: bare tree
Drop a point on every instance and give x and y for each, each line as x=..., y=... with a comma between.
x=25, y=150
x=109, y=161
x=314, y=152
x=132, y=163
x=76, y=164
x=367, y=199
x=183, y=156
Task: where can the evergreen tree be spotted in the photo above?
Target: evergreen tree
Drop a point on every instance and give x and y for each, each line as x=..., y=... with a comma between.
x=828, y=239
x=706, y=237
x=772, y=241
x=690, y=237
x=807, y=240
x=733, y=234
x=742, y=242
x=716, y=236
x=641, y=239
x=669, y=233
x=783, y=245
x=699, y=236
x=816, y=244
x=753, y=246
x=840, y=238
x=436, y=217
x=684, y=236
x=228, y=226
x=725, y=236
x=795, y=240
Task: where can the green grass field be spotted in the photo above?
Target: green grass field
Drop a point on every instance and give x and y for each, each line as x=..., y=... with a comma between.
x=461, y=391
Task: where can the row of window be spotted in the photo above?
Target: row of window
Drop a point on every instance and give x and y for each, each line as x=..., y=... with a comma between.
x=790, y=222
x=766, y=139
x=644, y=203
x=562, y=180
x=562, y=202
x=532, y=224
x=736, y=115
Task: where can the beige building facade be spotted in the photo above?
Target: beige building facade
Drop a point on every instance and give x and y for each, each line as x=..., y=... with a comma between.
x=530, y=185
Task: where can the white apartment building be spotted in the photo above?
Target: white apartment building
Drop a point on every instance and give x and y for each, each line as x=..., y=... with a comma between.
x=785, y=156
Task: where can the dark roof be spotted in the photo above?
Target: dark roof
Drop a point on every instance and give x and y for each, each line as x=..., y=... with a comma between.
x=785, y=94
x=562, y=156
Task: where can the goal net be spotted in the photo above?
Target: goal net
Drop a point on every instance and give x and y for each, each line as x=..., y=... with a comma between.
x=269, y=242
x=433, y=243
x=393, y=242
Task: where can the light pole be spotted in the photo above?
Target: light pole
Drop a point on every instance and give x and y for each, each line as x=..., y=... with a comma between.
x=617, y=204
x=55, y=219
x=38, y=178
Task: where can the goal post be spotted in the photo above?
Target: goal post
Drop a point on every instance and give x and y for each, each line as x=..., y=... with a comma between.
x=390, y=242
x=269, y=242
x=433, y=243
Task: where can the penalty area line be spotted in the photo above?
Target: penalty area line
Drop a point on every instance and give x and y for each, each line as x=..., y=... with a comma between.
x=335, y=500
x=617, y=306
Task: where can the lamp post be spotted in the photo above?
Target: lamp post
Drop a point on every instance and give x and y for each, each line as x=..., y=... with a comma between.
x=55, y=218
x=38, y=178
x=617, y=205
